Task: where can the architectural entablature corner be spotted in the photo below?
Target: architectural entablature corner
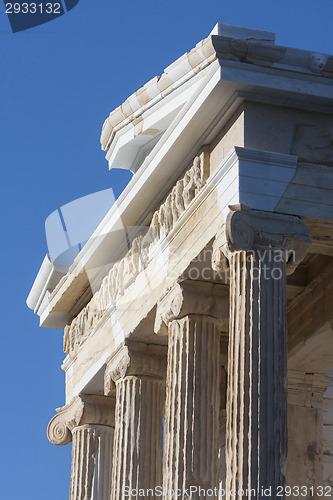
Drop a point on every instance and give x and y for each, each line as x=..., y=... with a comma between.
x=255, y=230
x=135, y=359
x=84, y=409
x=307, y=389
x=190, y=297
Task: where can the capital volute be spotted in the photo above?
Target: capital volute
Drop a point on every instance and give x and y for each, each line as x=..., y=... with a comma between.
x=247, y=229
x=191, y=297
x=135, y=359
x=84, y=409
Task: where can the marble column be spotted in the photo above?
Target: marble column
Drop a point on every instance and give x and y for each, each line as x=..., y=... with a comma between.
x=191, y=315
x=138, y=372
x=223, y=413
x=259, y=248
x=305, y=443
x=89, y=422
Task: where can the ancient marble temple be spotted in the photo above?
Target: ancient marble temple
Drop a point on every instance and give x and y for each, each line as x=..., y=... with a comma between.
x=198, y=318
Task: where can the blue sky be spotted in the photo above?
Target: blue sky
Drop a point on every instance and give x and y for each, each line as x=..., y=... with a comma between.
x=58, y=84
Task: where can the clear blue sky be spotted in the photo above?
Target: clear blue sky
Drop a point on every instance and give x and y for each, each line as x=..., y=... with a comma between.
x=58, y=83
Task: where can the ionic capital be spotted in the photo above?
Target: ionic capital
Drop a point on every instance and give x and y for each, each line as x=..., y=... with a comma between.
x=247, y=229
x=191, y=297
x=135, y=359
x=84, y=409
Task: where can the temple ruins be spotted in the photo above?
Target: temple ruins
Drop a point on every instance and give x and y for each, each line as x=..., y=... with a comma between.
x=198, y=317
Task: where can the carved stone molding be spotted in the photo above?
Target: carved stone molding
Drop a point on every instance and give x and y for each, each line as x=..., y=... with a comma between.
x=135, y=359
x=191, y=297
x=307, y=389
x=254, y=230
x=123, y=273
x=84, y=409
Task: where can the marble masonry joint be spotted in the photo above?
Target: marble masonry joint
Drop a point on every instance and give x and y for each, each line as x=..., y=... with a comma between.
x=84, y=409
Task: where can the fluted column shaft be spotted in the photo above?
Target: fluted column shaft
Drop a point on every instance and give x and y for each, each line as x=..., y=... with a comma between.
x=222, y=440
x=192, y=315
x=257, y=394
x=192, y=404
x=260, y=248
x=139, y=436
x=137, y=374
x=91, y=462
x=88, y=421
x=306, y=437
